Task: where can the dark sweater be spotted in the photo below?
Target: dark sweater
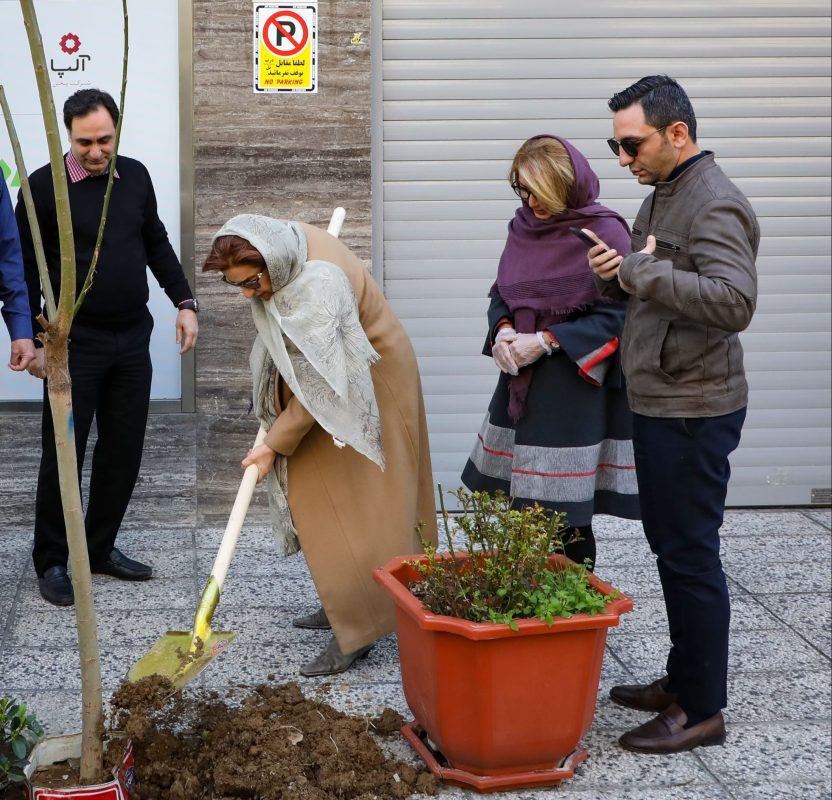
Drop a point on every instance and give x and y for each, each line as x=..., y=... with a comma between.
x=134, y=238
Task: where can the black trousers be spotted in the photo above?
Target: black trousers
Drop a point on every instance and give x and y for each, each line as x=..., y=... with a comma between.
x=111, y=374
x=683, y=470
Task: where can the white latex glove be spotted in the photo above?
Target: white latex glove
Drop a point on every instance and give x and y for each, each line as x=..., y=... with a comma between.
x=505, y=333
x=526, y=349
x=501, y=351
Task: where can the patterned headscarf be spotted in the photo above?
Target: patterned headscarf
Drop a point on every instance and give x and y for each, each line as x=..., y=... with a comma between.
x=309, y=332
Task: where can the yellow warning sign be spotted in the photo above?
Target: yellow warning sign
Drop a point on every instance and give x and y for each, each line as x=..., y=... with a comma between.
x=286, y=47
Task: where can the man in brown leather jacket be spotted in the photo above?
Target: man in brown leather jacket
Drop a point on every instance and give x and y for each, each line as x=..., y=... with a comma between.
x=691, y=281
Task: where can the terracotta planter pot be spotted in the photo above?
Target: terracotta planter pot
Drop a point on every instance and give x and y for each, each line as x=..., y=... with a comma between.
x=505, y=708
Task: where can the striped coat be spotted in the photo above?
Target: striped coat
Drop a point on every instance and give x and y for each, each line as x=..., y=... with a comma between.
x=572, y=450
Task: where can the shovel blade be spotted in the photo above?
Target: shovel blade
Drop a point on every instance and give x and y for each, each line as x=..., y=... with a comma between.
x=170, y=658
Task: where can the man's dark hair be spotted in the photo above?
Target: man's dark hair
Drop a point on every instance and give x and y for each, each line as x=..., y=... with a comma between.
x=662, y=99
x=85, y=102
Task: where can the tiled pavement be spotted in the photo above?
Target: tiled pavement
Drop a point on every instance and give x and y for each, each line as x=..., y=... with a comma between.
x=778, y=565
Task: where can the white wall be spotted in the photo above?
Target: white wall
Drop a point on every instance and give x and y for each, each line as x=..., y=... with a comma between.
x=150, y=131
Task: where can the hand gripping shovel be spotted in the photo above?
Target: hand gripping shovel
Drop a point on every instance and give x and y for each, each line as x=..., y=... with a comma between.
x=182, y=655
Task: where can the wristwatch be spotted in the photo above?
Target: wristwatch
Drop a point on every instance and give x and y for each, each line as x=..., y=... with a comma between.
x=189, y=305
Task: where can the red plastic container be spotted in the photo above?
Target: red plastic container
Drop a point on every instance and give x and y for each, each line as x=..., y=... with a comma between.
x=506, y=708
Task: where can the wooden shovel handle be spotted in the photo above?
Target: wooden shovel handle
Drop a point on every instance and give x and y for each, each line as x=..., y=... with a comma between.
x=336, y=221
x=235, y=520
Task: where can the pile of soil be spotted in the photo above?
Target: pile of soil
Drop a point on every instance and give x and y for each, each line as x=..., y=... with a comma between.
x=274, y=745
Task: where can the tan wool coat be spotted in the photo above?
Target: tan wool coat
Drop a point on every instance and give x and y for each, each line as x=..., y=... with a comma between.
x=350, y=515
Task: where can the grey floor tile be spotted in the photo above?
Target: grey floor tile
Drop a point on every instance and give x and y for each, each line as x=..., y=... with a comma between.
x=780, y=577
x=821, y=638
x=264, y=563
x=167, y=563
x=823, y=516
x=636, y=581
x=757, y=753
x=11, y=562
x=608, y=528
x=253, y=535
x=772, y=524
x=286, y=597
x=135, y=541
x=801, y=611
x=35, y=669
x=696, y=791
x=648, y=616
x=757, y=549
x=779, y=696
x=609, y=766
x=364, y=698
x=780, y=790
x=779, y=686
x=8, y=590
x=60, y=711
x=112, y=593
x=771, y=650
x=750, y=651
x=621, y=552
x=16, y=537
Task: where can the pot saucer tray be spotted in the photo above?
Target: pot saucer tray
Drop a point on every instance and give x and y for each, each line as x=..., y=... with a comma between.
x=439, y=767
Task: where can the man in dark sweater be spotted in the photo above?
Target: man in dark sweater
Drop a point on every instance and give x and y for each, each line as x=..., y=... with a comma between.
x=109, y=347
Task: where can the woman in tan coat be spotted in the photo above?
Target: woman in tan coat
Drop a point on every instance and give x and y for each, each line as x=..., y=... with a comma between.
x=337, y=387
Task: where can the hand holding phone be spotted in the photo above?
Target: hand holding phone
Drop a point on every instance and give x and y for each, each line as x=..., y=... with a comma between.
x=585, y=238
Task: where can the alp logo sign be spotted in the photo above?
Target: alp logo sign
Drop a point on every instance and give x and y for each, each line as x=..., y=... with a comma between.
x=70, y=44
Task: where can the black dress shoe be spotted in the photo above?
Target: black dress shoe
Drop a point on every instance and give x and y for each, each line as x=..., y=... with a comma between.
x=667, y=734
x=331, y=660
x=644, y=697
x=56, y=587
x=119, y=566
x=317, y=621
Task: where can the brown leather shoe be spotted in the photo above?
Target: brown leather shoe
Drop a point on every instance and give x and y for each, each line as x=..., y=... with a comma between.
x=666, y=733
x=644, y=697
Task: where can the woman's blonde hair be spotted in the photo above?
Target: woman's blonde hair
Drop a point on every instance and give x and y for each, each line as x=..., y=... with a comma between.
x=547, y=172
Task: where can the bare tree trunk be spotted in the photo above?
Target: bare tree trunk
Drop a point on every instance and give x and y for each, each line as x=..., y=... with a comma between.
x=59, y=387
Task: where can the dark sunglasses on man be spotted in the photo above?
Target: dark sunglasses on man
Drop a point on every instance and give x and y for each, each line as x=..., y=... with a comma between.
x=630, y=144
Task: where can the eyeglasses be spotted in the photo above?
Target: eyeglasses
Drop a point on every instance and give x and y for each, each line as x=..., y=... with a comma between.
x=630, y=144
x=248, y=283
x=523, y=192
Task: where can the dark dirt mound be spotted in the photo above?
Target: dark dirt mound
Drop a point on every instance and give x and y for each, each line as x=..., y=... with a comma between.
x=274, y=745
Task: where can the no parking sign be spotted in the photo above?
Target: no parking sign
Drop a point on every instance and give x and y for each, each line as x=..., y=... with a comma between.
x=286, y=47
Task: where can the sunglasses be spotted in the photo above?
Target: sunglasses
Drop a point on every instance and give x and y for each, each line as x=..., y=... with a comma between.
x=523, y=192
x=248, y=283
x=630, y=144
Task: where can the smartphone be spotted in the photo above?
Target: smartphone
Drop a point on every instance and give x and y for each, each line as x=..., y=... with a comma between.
x=587, y=240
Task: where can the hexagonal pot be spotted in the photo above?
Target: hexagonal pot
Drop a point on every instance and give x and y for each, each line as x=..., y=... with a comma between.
x=496, y=708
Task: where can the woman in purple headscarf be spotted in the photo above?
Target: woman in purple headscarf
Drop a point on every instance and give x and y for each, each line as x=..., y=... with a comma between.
x=558, y=429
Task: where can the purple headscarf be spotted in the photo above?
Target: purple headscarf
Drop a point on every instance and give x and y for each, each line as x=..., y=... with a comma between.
x=543, y=273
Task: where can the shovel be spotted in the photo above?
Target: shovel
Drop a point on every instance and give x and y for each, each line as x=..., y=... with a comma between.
x=182, y=655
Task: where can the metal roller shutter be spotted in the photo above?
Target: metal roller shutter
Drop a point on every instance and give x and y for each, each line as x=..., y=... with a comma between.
x=464, y=82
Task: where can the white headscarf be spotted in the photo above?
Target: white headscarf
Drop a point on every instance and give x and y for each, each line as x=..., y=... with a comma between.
x=310, y=332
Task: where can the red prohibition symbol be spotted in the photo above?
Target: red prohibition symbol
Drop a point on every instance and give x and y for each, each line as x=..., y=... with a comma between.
x=286, y=24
